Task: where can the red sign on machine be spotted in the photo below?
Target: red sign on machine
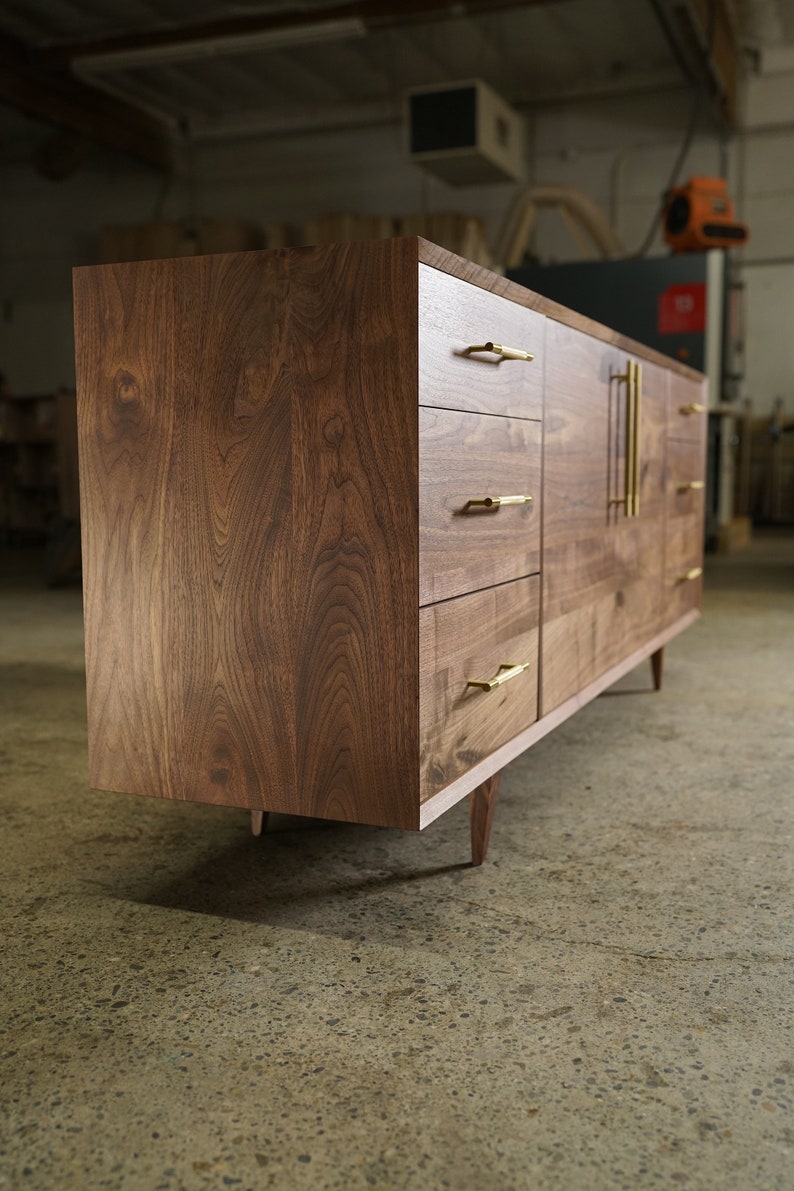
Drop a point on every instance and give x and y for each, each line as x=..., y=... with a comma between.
x=682, y=309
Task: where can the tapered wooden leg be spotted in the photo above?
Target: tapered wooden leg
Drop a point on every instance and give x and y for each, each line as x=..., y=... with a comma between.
x=481, y=807
x=657, y=665
x=258, y=822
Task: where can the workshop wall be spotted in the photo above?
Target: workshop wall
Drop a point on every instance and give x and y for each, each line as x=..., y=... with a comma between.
x=618, y=150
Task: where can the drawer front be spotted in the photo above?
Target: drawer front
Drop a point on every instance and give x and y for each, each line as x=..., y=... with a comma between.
x=467, y=639
x=455, y=316
x=683, y=566
x=466, y=457
x=688, y=418
x=686, y=478
x=686, y=500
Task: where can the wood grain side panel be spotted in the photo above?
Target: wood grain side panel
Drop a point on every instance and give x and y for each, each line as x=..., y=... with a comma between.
x=184, y=419
x=453, y=317
x=464, y=456
x=469, y=638
x=353, y=349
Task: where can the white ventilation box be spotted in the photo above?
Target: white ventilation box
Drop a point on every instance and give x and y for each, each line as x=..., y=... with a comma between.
x=465, y=133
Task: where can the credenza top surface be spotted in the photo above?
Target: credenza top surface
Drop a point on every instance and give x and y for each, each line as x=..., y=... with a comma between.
x=449, y=262
x=457, y=266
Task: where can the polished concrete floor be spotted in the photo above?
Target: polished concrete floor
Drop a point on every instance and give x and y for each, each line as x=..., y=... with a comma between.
x=605, y=1004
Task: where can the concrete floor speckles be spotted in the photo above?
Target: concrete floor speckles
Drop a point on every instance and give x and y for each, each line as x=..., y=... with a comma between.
x=605, y=1004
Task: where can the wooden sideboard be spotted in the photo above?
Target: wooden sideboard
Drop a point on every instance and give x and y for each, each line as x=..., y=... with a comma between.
x=348, y=549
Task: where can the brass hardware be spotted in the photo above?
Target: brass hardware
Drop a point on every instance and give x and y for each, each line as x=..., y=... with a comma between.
x=509, y=353
x=692, y=408
x=692, y=573
x=692, y=486
x=631, y=478
x=626, y=498
x=496, y=502
x=510, y=671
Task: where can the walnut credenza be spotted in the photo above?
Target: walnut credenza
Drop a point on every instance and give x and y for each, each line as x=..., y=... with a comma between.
x=363, y=522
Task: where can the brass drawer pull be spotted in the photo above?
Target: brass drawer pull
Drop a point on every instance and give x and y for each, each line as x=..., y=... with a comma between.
x=505, y=673
x=509, y=353
x=692, y=486
x=495, y=502
x=693, y=408
x=692, y=573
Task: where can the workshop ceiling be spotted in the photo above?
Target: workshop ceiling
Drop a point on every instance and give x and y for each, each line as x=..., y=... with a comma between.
x=132, y=72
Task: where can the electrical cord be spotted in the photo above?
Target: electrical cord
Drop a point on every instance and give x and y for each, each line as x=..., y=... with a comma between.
x=686, y=144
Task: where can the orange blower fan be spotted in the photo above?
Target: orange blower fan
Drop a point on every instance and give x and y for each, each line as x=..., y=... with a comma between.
x=700, y=215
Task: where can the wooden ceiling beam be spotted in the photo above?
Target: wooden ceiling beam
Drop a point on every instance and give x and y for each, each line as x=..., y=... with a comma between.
x=57, y=98
x=373, y=14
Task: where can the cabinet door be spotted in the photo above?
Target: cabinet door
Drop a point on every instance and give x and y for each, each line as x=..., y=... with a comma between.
x=603, y=520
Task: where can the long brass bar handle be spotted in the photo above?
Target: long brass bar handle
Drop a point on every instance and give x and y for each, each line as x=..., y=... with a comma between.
x=635, y=511
x=506, y=671
x=692, y=486
x=628, y=473
x=631, y=487
x=509, y=353
x=692, y=573
x=495, y=502
x=692, y=408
